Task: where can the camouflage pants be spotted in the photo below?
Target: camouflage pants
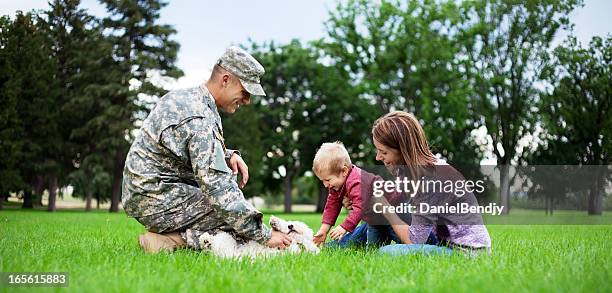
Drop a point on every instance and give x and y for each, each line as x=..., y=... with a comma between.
x=193, y=218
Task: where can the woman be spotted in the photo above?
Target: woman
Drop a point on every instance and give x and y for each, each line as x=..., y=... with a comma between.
x=402, y=146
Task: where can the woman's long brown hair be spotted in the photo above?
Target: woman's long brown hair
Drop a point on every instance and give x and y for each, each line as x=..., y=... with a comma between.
x=402, y=131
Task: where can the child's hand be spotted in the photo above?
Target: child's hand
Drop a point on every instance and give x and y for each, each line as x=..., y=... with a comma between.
x=337, y=233
x=319, y=237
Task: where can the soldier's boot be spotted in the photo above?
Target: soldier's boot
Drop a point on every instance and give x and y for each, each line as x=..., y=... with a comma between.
x=154, y=242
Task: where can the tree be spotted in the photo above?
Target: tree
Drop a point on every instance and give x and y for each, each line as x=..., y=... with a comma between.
x=404, y=56
x=143, y=49
x=90, y=183
x=30, y=100
x=243, y=132
x=509, y=50
x=74, y=37
x=307, y=103
x=10, y=177
x=287, y=83
x=577, y=113
x=88, y=76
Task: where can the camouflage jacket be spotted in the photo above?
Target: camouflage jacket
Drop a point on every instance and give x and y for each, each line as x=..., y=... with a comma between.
x=179, y=152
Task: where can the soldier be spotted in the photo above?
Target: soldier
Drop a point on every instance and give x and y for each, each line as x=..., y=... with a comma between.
x=177, y=180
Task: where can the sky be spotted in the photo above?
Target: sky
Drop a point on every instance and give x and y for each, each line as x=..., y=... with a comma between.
x=206, y=28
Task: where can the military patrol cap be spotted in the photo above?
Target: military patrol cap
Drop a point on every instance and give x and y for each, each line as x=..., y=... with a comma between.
x=245, y=67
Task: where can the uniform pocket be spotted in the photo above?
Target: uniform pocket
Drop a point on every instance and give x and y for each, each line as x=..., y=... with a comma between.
x=218, y=158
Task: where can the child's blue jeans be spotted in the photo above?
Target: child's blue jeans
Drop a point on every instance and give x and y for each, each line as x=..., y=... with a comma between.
x=356, y=238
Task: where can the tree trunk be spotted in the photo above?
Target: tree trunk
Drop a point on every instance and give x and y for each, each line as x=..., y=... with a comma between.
x=88, y=200
x=505, y=188
x=288, y=186
x=27, y=199
x=551, y=205
x=97, y=201
x=88, y=191
x=52, y=193
x=1, y=202
x=39, y=189
x=117, y=179
x=548, y=202
x=323, y=193
x=595, y=196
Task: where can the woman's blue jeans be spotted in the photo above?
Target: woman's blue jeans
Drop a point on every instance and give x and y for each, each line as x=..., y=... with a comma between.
x=411, y=249
x=371, y=235
x=380, y=235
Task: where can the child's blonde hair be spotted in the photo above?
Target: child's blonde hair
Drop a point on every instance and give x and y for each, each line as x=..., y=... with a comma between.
x=331, y=157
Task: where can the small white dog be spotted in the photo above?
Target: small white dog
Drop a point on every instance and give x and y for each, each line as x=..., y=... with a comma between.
x=225, y=245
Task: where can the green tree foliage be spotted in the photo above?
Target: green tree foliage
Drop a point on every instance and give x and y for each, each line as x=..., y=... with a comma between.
x=409, y=56
x=10, y=177
x=577, y=114
x=404, y=56
x=143, y=49
x=507, y=49
x=74, y=88
x=66, y=86
x=73, y=36
x=243, y=132
x=307, y=103
x=91, y=183
x=89, y=75
x=32, y=124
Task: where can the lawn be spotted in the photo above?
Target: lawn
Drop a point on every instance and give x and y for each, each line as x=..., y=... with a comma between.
x=100, y=252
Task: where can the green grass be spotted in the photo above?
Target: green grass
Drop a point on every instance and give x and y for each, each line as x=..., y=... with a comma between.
x=100, y=252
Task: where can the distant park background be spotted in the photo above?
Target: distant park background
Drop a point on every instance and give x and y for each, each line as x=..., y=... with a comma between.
x=490, y=81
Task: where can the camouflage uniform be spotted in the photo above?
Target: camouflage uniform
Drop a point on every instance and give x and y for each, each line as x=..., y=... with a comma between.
x=176, y=177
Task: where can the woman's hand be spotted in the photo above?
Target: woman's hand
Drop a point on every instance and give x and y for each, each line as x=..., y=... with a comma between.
x=337, y=233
